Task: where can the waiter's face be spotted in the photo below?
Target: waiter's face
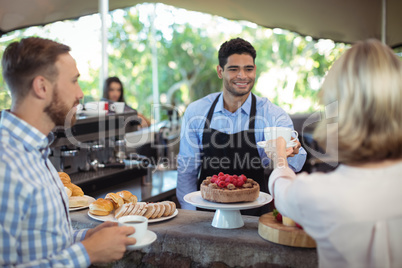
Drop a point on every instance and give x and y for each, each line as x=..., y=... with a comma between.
x=238, y=74
x=66, y=92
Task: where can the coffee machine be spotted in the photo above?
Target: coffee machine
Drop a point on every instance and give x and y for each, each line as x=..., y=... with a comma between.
x=94, y=142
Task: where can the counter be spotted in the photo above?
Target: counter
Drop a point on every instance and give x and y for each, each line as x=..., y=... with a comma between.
x=163, y=186
x=189, y=240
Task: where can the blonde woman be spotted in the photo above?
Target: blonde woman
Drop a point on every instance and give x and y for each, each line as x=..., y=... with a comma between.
x=355, y=212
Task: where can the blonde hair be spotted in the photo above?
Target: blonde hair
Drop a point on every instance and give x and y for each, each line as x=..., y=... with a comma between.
x=366, y=85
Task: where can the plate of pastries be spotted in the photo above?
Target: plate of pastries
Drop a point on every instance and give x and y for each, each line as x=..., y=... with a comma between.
x=76, y=198
x=123, y=203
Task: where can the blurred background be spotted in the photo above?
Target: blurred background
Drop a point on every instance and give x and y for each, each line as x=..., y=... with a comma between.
x=290, y=67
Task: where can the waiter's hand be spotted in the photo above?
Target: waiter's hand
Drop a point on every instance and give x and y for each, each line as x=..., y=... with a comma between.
x=295, y=149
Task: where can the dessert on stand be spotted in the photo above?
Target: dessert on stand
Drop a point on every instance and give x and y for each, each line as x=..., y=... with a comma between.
x=227, y=216
x=228, y=194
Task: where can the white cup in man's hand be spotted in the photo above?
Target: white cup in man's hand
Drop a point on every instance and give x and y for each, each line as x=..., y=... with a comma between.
x=117, y=107
x=140, y=223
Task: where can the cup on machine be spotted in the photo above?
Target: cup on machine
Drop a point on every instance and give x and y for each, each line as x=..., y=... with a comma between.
x=100, y=107
x=117, y=107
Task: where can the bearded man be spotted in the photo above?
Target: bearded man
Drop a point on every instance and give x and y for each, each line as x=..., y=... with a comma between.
x=35, y=225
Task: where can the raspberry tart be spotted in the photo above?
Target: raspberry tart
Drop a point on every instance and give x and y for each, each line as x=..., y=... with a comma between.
x=225, y=188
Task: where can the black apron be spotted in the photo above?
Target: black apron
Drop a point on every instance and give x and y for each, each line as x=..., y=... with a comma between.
x=233, y=154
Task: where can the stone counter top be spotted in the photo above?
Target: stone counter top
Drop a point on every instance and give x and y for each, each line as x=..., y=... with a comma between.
x=189, y=240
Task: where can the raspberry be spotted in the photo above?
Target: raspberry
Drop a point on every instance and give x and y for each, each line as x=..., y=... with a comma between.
x=222, y=184
x=229, y=179
x=220, y=174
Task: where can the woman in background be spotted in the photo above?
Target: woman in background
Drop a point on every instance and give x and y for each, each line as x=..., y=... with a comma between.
x=113, y=91
x=355, y=212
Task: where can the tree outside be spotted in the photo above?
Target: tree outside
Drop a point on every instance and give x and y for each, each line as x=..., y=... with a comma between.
x=290, y=67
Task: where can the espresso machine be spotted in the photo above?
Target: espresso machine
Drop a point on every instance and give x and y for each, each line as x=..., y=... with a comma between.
x=94, y=146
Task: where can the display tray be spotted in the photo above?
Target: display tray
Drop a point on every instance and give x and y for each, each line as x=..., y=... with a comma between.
x=272, y=230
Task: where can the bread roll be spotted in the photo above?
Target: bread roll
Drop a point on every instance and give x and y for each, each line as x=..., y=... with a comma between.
x=116, y=200
x=127, y=197
x=68, y=191
x=76, y=191
x=64, y=177
x=101, y=207
x=77, y=201
x=69, y=186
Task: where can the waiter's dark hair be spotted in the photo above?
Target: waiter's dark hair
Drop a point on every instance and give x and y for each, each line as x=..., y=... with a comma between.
x=235, y=46
x=24, y=60
x=106, y=86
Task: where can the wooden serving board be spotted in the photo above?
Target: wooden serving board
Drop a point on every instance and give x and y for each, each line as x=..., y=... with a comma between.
x=272, y=230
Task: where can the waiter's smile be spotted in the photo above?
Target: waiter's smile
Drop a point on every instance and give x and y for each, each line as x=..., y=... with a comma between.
x=241, y=84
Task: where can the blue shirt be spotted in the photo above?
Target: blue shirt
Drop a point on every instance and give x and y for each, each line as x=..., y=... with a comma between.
x=35, y=225
x=190, y=155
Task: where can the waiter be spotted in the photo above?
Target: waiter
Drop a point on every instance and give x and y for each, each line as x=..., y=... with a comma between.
x=219, y=132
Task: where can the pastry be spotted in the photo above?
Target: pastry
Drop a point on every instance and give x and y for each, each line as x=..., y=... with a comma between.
x=101, y=207
x=121, y=210
x=157, y=210
x=64, y=177
x=172, y=207
x=224, y=188
x=127, y=197
x=116, y=199
x=76, y=190
x=68, y=191
x=167, y=209
x=77, y=201
x=151, y=208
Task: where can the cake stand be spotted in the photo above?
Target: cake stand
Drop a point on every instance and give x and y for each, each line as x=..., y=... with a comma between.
x=227, y=216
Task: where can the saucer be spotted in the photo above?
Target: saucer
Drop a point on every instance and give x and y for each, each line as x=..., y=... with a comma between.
x=290, y=144
x=147, y=240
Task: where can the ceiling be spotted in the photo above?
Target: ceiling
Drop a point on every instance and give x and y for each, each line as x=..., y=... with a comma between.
x=340, y=20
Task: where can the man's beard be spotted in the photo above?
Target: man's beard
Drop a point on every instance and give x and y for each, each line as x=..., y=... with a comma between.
x=58, y=111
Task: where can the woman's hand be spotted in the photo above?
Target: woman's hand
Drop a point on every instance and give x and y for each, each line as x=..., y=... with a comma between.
x=277, y=151
x=293, y=150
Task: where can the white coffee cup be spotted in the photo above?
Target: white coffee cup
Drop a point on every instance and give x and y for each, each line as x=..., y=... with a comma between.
x=117, y=107
x=272, y=133
x=140, y=223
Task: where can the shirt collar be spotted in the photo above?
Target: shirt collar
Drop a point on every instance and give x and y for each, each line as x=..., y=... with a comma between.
x=31, y=137
x=245, y=108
